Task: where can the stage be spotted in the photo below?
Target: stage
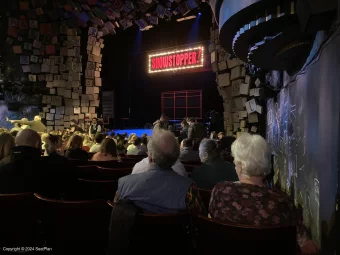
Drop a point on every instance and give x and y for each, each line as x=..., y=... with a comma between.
x=138, y=132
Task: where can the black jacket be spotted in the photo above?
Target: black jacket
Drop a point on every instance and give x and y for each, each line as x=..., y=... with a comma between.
x=26, y=171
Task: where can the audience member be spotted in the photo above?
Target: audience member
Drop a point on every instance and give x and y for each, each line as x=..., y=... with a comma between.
x=17, y=171
x=120, y=145
x=162, y=123
x=185, y=127
x=250, y=201
x=98, y=139
x=107, y=152
x=35, y=125
x=136, y=148
x=6, y=145
x=160, y=189
x=144, y=140
x=187, y=152
x=60, y=179
x=195, y=129
x=74, y=149
x=214, y=169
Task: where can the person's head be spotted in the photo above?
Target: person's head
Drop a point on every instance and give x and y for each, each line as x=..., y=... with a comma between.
x=132, y=138
x=144, y=135
x=164, y=118
x=28, y=138
x=163, y=148
x=187, y=143
x=137, y=141
x=87, y=139
x=208, y=150
x=220, y=135
x=144, y=140
x=37, y=118
x=251, y=156
x=184, y=123
x=94, y=120
x=190, y=121
x=75, y=142
x=99, y=138
x=44, y=137
x=124, y=134
x=6, y=144
x=109, y=147
x=52, y=143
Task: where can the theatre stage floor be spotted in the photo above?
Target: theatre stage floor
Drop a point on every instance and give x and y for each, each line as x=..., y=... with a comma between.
x=138, y=132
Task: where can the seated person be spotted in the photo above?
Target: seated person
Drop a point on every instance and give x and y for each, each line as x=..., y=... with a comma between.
x=250, y=201
x=107, y=152
x=96, y=147
x=74, y=149
x=160, y=189
x=214, y=169
x=26, y=171
x=136, y=148
x=187, y=151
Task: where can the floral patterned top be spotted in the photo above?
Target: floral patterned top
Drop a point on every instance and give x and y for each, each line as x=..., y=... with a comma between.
x=251, y=205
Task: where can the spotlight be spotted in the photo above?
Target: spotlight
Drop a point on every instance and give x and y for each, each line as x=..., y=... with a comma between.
x=199, y=14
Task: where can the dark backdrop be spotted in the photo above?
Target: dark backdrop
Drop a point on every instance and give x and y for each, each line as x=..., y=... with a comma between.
x=125, y=69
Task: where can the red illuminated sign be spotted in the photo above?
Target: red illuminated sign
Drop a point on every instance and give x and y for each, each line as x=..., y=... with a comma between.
x=176, y=60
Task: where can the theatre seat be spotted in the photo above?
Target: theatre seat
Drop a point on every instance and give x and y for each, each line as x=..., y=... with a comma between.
x=99, y=189
x=161, y=234
x=75, y=227
x=93, y=172
x=18, y=221
x=212, y=237
x=129, y=159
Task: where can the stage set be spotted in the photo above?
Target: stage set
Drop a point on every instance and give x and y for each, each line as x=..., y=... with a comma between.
x=262, y=67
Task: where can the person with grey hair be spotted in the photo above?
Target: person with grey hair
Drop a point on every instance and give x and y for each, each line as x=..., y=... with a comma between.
x=160, y=189
x=35, y=124
x=214, y=169
x=250, y=201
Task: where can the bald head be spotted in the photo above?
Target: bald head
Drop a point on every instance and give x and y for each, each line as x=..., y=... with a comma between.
x=163, y=148
x=28, y=137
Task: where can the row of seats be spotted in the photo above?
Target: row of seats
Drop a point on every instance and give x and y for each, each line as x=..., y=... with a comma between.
x=81, y=227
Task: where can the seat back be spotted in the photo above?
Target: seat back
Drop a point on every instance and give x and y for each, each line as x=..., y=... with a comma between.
x=74, y=223
x=126, y=159
x=18, y=220
x=114, y=164
x=99, y=189
x=91, y=155
x=205, y=195
x=112, y=173
x=172, y=232
x=213, y=236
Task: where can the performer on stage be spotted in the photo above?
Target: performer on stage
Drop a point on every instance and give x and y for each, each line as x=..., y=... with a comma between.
x=94, y=128
x=162, y=123
x=35, y=124
x=74, y=127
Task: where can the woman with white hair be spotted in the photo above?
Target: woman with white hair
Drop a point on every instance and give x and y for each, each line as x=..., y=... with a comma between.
x=250, y=201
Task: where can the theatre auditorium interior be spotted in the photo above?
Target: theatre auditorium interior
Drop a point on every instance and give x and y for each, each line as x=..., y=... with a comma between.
x=189, y=127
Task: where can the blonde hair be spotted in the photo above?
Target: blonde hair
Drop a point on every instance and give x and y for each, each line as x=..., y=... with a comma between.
x=6, y=144
x=75, y=142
